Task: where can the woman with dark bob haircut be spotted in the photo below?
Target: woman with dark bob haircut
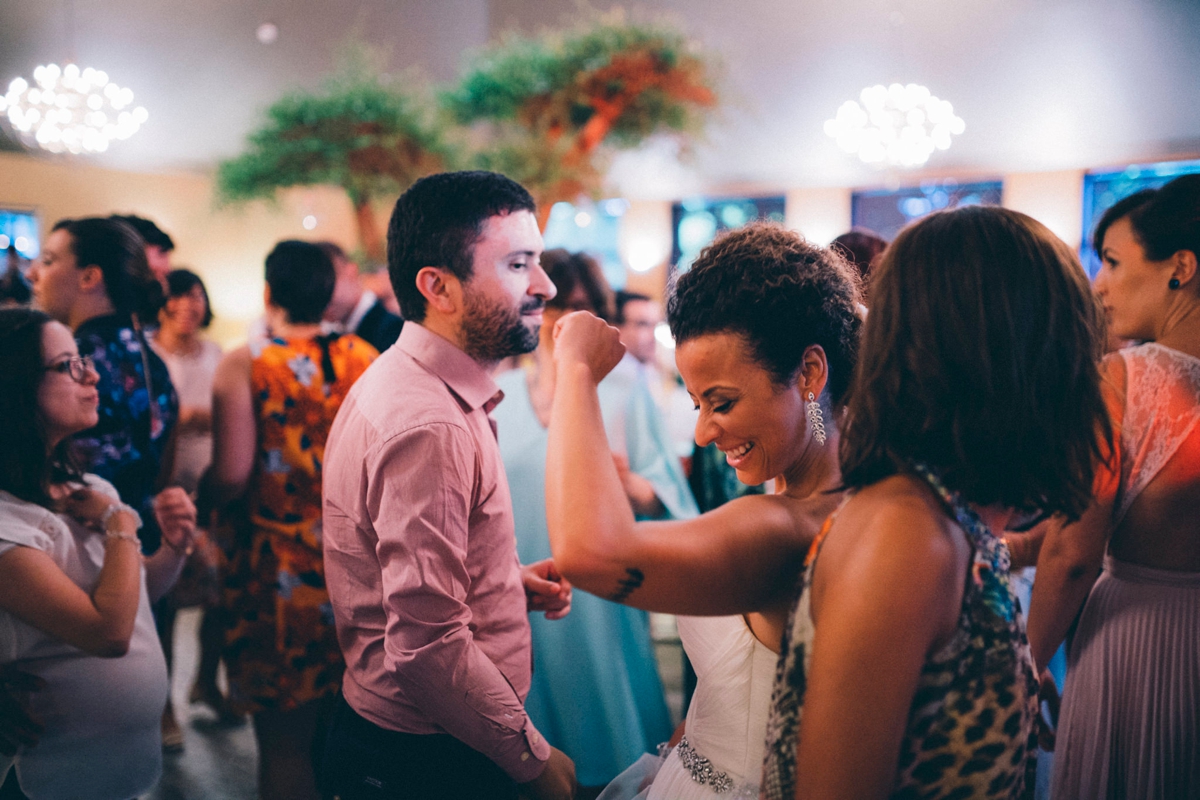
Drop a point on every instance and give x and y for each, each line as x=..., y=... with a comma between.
x=75, y=591
x=905, y=670
x=766, y=326
x=274, y=402
x=1131, y=710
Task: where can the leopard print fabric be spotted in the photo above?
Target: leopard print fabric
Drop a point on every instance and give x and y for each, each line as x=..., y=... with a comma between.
x=971, y=727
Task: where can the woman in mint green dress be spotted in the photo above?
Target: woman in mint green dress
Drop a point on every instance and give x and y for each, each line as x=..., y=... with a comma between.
x=596, y=693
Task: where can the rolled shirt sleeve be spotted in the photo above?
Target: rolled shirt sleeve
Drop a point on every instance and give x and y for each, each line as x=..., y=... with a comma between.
x=427, y=489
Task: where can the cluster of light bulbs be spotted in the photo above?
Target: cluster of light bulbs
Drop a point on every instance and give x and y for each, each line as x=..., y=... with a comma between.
x=71, y=110
x=895, y=125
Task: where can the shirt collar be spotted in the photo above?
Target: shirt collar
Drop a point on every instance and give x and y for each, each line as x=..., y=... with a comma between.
x=461, y=373
x=360, y=310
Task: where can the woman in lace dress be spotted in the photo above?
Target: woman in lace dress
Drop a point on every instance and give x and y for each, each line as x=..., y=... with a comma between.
x=767, y=330
x=1130, y=723
x=905, y=671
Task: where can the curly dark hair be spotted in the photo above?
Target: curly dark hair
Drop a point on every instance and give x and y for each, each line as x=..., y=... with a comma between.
x=980, y=359
x=436, y=223
x=781, y=293
x=27, y=465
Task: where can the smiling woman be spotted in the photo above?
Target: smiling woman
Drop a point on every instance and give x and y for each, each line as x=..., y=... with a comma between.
x=74, y=596
x=766, y=322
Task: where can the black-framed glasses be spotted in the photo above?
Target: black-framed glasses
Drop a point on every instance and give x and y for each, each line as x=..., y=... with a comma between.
x=78, y=367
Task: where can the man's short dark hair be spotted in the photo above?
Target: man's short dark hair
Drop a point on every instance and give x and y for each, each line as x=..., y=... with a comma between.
x=301, y=278
x=334, y=251
x=623, y=298
x=437, y=222
x=150, y=233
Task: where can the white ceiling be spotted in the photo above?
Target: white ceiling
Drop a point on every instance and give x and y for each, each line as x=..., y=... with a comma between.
x=1042, y=84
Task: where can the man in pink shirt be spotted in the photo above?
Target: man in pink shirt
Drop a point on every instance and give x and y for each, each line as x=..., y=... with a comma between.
x=420, y=551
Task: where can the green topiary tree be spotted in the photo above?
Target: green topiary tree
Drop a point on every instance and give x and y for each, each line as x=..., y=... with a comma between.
x=551, y=107
x=370, y=138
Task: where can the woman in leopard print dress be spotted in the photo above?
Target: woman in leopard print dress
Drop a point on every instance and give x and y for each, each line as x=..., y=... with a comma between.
x=905, y=670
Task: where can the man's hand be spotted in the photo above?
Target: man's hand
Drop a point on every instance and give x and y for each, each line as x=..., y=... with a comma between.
x=584, y=338
x=557, y=781
x=176, y=515
x=545, y=589
x=17, y=727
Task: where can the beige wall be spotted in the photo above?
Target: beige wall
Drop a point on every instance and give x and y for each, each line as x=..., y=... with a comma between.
x=226, y=246
x=1053, y=198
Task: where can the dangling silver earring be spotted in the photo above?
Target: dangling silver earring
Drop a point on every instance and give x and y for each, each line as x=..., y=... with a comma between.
x=816, y=420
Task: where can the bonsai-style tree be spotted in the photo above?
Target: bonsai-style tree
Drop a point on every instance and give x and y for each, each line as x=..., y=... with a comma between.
x=369, y=138
x=552, y=108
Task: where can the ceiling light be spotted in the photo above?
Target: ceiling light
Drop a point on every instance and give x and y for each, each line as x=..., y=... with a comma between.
x=895, y=125
x=267, y=33
x=69, y=110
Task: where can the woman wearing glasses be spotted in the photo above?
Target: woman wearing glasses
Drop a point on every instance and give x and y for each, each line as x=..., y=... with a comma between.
x=75, y=591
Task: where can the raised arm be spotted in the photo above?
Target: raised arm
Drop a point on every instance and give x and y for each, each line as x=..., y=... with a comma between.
x=735, y=559
x=36, y=590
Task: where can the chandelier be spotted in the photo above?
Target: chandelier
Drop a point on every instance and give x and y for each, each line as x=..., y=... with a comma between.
x=895, y=125
x=71, y=110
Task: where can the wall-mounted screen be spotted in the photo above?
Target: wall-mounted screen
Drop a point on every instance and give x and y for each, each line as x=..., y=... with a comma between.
x=19, y=228
x=1102, y=189
x=695, y=222
x=591, y=228
x=887, y=211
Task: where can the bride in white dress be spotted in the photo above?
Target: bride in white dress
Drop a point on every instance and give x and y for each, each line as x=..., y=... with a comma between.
x=766, y=327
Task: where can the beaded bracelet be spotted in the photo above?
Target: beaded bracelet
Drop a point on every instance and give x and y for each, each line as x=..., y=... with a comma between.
x=127, y=536
x=116, y=508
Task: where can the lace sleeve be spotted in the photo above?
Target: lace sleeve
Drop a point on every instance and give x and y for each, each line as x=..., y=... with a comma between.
x=1162, y=408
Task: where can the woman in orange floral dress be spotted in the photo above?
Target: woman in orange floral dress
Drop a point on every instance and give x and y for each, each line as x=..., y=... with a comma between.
x=274, y=402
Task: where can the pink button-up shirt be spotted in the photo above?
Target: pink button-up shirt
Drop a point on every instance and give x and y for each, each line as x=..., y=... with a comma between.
x=420, y=555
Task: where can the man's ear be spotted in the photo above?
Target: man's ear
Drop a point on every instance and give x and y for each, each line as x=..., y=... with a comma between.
x=442, y=290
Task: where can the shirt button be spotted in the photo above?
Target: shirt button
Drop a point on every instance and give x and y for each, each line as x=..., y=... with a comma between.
x=524, y=756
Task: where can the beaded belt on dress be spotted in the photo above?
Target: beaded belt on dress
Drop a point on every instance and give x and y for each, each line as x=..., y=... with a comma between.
x=701, y=769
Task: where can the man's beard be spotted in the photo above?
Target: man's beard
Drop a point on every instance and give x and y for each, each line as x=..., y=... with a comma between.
x=492, y=332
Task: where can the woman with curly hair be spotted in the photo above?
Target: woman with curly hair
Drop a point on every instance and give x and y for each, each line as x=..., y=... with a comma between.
x=767, y=331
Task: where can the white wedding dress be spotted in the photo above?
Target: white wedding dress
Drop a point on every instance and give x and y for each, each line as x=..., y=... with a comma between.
x=721, y=753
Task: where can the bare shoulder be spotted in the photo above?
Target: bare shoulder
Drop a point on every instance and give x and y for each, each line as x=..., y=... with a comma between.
x=237, y=359
x=900, y=513
x=780, y=518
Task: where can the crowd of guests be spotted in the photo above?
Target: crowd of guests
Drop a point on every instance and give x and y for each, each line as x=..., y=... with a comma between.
x=370, y=506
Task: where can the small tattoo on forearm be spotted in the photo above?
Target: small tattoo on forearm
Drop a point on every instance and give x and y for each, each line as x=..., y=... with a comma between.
x=627, y=586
